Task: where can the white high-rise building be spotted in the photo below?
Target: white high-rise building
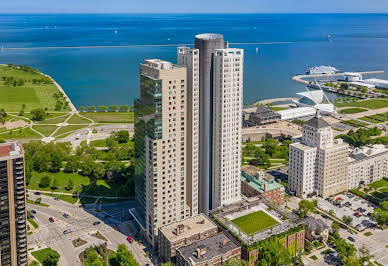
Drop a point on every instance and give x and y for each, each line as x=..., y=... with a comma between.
x=318, y=163
x=189, y=58
x=227, y=126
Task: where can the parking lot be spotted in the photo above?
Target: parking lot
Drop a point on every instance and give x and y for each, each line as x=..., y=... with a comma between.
x=350, y=205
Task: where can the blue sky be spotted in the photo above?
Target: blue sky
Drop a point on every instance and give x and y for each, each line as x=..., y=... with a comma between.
x=193, y=6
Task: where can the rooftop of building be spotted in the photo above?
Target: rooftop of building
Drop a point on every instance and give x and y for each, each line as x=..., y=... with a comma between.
x=302, y=147
x=209, y=36
x=188, y=227
x=207, y=248
x=316, y=225
x=362, y=153
x=382, y=81
x=160, y=64
x=260, y=185
x=10, y=149
x=317, y=122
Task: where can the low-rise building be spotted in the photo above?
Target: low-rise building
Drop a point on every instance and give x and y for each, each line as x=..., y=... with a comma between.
x=315, y=229
x=367, y=165
x=212, y=250
x=262, y=185
x=261, y=115
x=183, y=233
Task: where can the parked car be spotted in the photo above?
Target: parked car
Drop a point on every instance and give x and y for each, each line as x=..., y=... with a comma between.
x=33, y=211
x=351, y=239
x=66, y=215
x=96, y=223
x=130, y=240
x=51, y=219
x=37, y=193
x=356, y=214
x=67, y=231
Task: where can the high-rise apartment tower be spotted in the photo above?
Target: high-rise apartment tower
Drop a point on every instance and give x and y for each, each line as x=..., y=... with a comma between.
x=13, y=233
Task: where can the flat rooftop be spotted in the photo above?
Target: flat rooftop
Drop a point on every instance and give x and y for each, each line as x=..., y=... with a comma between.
x=207, y=248
x=188, y=227
x=302, y=147
x=160, y=64
x=358, y=154
x=10, y=149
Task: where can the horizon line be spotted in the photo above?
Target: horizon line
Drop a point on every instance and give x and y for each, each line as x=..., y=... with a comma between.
x=192, y=13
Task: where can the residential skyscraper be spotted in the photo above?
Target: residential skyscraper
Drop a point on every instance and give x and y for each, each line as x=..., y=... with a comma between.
x=13, y=230
x=220, y=108
x=160, y=146
x=318, y=162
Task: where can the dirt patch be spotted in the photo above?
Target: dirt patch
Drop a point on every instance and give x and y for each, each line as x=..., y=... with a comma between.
x=78, y=242
x=99, y=236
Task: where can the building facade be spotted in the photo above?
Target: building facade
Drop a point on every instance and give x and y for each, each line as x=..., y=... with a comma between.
x=227, y=126
x=13, y=224
x=160, y=146
x=318, y=163
x=367, y=165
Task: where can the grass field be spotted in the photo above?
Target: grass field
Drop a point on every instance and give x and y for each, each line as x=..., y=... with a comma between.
x=352, y=110
x=54, y=119
x=42, y=254
x=67, y=198
x=45, y=130
x=111, y=117
x=379, y=184
x=75, y=119
x=67, y=129
x=354, y=123
x=255, y=222
x=25, y=133
x=370, y=104
x=33, y=223
x=32, y=95
x=276, y=108
x=62, y=179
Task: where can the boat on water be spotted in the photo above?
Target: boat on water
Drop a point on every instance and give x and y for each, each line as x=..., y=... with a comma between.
x=317, y=70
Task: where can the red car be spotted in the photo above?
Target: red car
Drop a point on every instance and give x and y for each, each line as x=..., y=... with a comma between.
x=130, y=240
x=356, y=214
x=115, y=227
x=51, y=219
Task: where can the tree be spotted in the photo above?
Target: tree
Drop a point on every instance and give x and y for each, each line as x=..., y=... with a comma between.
x=122, y=136
x=34, y=263
x=54, y=184
x=273, y=253
x=347, y=219
x=70, y=185
x=305, y=207
x=93, y=259
x=87, y=166
x=113, y=108
x=381, y=214
x=344, y=248
x=331, y=213
x=38, y=114
x=52, y=258
x=91, y=108
x=111, y=142
x=364, y=255
x=45, y=181
x=98, y=170
x=102, y=108
x=124, y=108
x=72, y=164
x=232, y=262
x=82, y=109
x=308, y=246
x=124, y=257
x=56, y=162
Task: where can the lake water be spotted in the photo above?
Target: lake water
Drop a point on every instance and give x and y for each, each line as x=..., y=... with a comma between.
x=110, y=75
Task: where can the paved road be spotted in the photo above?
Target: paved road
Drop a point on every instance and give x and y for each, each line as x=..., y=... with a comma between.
x=81, y=223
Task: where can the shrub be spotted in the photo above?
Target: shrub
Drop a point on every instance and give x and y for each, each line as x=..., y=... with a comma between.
x=44, y=181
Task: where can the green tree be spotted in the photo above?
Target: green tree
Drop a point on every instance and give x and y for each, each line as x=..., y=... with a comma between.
x=72, y=164
x=87, y=166
x=82, y=108
x=273, y=253
x=34, y=263
x=381, y=214
x=308, y=246
x=52, y=258
x=122, y=136
x=45, y=181
x=54, y=184
x=91, y=108
x=113, y=108
x=111, y=142
x=124, y=257
x=93, y=259
x=305, y=207
x=124, y=108
x=102, y=108
x=98, y=170
x=347, y=219
x=232, y=262
x=38, y=114
x=69, y=185
x=56, y=162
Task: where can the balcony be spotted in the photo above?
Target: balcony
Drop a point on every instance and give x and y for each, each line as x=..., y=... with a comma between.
x=19, y=177
x=20, y=192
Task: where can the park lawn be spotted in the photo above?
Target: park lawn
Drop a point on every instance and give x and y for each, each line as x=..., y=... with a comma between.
x=254, y=222
x=42, y=254
x=110, y=117
x=36, y=203
x=370, y=104
x=384, y=190
x=352, y=110
x=51, y=119
x=25, y=133
x=100, y=143
x=32, y=95
x=354, y=123
x=67, y=198
x=369, y=119
x=379, y=195
x=378, y=184
x=104, y=188
x=68, y=129
x=76, y=119
x=45, y=130
x=62, y=179
x=33, y=223
x=276, y=108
